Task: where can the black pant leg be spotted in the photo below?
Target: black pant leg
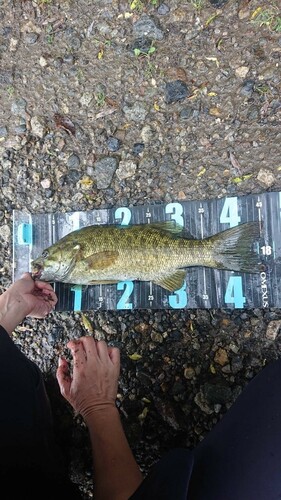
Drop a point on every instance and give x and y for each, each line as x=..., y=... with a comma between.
x=240, y=459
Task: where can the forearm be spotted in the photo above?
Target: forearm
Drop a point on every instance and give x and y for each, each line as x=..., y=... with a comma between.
x=12, y=311
x=116, y=473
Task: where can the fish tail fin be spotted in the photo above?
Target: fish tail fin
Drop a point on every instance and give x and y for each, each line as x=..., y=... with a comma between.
x=236, y=249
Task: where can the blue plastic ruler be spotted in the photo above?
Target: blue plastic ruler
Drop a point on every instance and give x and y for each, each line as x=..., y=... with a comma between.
x=204, y=287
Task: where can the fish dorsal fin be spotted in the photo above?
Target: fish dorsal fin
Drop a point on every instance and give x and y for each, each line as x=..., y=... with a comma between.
x=172, y=227
x=101, y=260
x=173, y=281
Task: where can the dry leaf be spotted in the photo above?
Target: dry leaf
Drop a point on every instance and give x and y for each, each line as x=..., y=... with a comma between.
x=65, y=123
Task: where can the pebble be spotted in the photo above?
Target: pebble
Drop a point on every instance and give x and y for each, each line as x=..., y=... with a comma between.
x=18, y=107
x=86, y=98
x=138, y=148
x=31, y=38
x=218, y=3
x=126, y=169
x=273, y=329
x=20, y=129
x=221, y=357
x=242, y=71
x=137, y=112
x=113, y=144
x=73, y=161
x=147, y=27
x=38, y=126
x=3, y=131
x=163, y=9
x=247, y=88
x=176, y=90
x=46, y=183
x=143, y=44
x=104, y=171
x=266, y=178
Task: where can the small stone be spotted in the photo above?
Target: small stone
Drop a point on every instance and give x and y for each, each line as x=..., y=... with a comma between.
x=273, y=329
x=143, y=44
x=138, y=148
x=13, y=44
x=147, y=134
x=253, y=113
x=156, y=337
x=189, y=372
x=104, y=171
x=136, y=112
x=46, y=183
x=3, y=131
x=163, y=9
x=176, y=91
x=18, y=107
x=73, y=161
x=38, y=126
x=221, y=357
x=146, y=26
x=5, y=232
x=31, y=38
x=113, y=144
x=266, y=178
x=43, y=62
x=20, y=129
x=126, y=169
x=86, y=98
x=218, y=3
x=242, y=71
x=247, y=88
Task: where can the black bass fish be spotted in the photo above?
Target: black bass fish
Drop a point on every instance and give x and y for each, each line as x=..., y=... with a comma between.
x=158, y=252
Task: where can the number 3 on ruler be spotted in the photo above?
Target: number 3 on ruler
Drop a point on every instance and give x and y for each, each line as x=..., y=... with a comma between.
x=179, y=299
x=128, y=287
x=229, y=214
x=176, y=211
x=234, y=292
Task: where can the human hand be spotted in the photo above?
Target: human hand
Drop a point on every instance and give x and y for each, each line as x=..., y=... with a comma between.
x=25, y=298
x=37, y=298
x=93, y=384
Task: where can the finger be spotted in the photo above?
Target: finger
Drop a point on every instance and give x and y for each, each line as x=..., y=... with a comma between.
x=50, y=295
x=90, y=345
x=63, y=377
x=78, y=353
x=114, y=354
x=102, y=349
x=26, y=276
x=42, y=285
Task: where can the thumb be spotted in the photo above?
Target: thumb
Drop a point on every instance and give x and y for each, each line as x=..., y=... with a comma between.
x=26, y=276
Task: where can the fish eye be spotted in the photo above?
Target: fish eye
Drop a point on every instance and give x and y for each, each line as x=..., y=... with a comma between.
x=45, y=254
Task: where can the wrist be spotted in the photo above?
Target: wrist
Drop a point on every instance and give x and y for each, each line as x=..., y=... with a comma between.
x=100, y=412
x=13, y=310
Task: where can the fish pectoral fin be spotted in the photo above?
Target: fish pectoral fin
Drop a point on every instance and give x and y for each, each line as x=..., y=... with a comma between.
x=101, y=260
x=173, y=281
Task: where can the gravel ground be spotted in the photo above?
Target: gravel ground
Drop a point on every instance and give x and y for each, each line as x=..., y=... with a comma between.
x=107, y=103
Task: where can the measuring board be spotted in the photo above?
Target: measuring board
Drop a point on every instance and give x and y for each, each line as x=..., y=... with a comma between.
x=203, y=288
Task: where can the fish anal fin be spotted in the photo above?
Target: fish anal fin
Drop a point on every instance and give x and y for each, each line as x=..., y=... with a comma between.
x=173, y=281
x=101, y=260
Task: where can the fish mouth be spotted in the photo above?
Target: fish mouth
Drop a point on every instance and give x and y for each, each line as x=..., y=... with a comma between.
x=36, y=272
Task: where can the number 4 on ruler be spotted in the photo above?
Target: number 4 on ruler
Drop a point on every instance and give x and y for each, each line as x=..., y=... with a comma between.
x=229, y=214
x=234, y=292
